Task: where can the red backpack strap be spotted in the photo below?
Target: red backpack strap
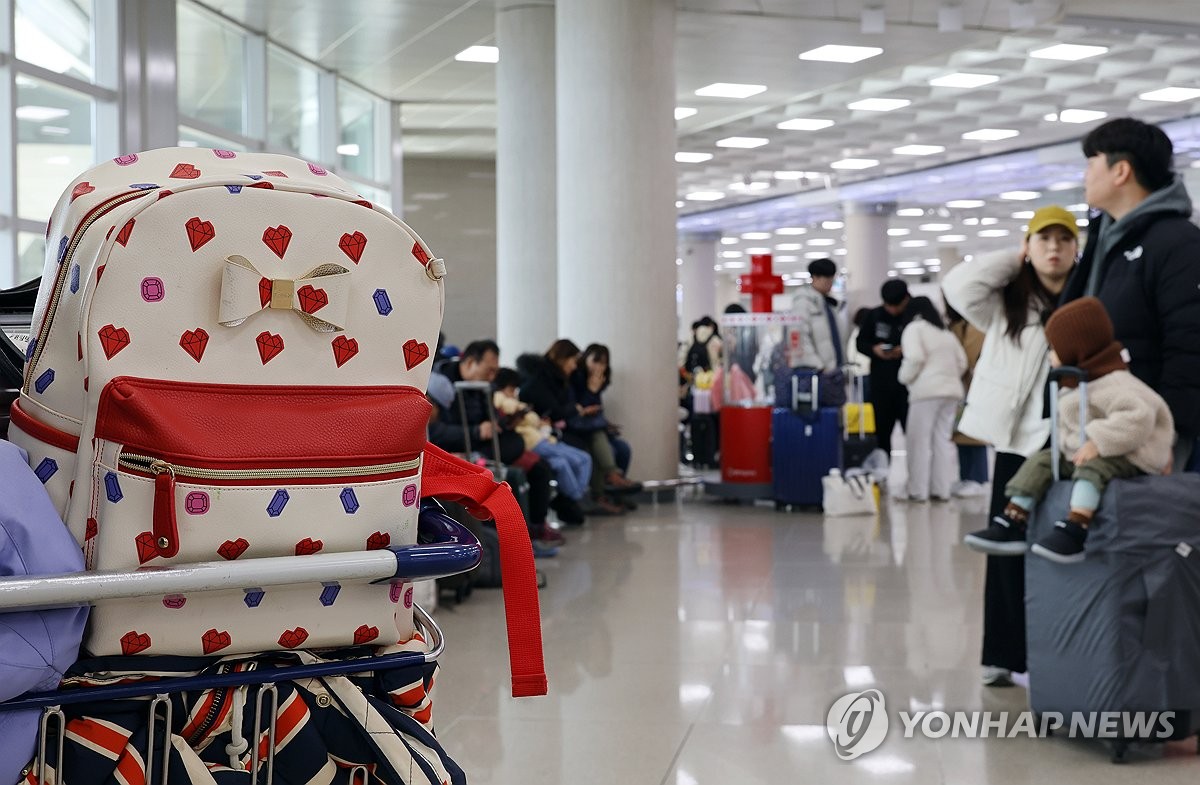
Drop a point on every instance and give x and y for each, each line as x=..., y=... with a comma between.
x=445, y=476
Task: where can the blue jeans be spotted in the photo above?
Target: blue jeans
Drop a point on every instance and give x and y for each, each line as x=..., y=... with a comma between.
x=973, y=462
x=572, y=467
x=622, y=453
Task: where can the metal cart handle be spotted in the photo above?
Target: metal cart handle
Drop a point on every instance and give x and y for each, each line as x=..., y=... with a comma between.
x=448, y=548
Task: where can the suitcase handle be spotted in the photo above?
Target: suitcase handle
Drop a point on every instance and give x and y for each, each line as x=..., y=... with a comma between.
x=796, y=392
x=1080, y=376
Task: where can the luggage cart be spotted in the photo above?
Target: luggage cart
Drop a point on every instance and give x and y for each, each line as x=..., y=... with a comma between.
x=445, y=547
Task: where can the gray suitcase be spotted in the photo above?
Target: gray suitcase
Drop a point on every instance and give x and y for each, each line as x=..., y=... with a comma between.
x=1120, y=631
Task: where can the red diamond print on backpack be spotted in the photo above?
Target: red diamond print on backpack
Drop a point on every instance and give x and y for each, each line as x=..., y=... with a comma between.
x=134, y=642
x=311, y=299
x=308, y=546
x=215, y=641
x=277, y=239
x=91, y=529
x=231, y=549
x=185, y=172
x=269, y=346
x=290, y=639
x=199, y=232
x=147, y=549
x=113, y=339
x=276, y=173
x=352, y=245
x=365, y=634
x=378, y=541
x=264, y=291
x=126, y=230
x=414, y=353
x=194, y=342
x=344, y=349
x=419, y=252
x=82, y=189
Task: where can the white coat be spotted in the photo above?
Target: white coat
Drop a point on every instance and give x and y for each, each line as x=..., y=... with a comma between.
x=934, y=362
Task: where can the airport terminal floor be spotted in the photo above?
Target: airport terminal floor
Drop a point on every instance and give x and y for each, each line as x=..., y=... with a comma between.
x=702, y=643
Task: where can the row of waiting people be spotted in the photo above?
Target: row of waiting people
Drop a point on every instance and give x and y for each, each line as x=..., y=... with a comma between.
x=545, y=418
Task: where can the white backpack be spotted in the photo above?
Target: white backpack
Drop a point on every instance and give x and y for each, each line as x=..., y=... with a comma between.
x=229, y=359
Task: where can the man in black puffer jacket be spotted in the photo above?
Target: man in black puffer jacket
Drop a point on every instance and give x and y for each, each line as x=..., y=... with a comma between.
x=1143, y=261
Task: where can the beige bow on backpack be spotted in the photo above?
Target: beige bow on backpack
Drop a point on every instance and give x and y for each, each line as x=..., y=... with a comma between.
x=320, y=297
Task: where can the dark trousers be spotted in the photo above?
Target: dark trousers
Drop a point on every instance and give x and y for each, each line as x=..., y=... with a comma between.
x=891, y=407
x=1004, y=586
x=972, y=462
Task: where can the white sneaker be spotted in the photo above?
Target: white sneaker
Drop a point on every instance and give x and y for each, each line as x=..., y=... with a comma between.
x=996, y=677
x=968, y=489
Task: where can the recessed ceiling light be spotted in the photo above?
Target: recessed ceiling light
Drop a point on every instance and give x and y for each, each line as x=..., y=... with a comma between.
x=742, y=142
x=893, y=273
x=735, y=265
x=756, y=185
x=989, y=221
x=1081, y=222
x=832, y=225
x=990, y=134
x=898, y=232
x=705, y=196
x=993, y=233
x=731, y=254
x=913, y=243
x=788, y=246
x=1076, y=208
x=1166, y=94
x=684, y=112
x=1020, y=196
x=919, y=149
x=692, y=158
x=821, y=242
x=935, y=227
x=965, y=204
x=731, y=90
x=910, y=212
x=679, y=204
x=804, y=124
x=729, y=241
x=1023, y=215
x=907, y=263
x=840, y=252
x=964, y=80
x=1080, y=115
x=479, y=54
x=854, y=163
x=756, y=236
x=836, y=53
x=816, y=255
x=970, y=222
x=879, y=104
x=757, y=251
x=791, y=230
x=41, y=114
x=952, y=238
x=913, y=271
x=787, y=258
x=790, y=174
x=1062, y=185
x=718, y=267
x=1068, y=52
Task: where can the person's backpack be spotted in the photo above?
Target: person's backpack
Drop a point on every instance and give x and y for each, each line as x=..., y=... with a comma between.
x=229, y=359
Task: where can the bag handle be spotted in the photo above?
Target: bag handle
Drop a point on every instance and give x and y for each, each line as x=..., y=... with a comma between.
x=445, y=476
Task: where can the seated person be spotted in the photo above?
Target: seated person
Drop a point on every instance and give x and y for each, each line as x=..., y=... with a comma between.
x=1129, y=432
x=572, y=467
x=610, y=453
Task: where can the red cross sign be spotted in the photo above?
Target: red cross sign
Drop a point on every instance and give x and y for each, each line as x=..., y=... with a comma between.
x=761, y=283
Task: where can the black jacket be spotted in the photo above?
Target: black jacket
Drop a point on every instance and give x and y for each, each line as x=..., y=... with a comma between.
x=545, y=389
x=881, y=327
x=1150, y=286
x=447, y=430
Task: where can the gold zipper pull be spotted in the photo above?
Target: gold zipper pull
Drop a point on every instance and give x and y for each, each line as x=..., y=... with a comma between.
x=165, y=526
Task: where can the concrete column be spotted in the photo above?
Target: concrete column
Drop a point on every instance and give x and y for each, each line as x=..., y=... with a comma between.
x=866, y=258
x=526, y=233
x=698, y=279
x=149, y=88
x=616, y=209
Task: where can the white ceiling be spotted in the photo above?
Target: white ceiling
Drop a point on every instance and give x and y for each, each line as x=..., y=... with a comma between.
x=404, y=50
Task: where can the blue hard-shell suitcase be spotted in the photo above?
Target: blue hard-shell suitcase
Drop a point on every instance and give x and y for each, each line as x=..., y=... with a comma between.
x=804, y=447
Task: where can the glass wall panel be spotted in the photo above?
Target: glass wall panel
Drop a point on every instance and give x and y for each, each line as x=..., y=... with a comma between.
x=356, y=139
x=54, y=143
x=56, y=35
x=212, y=69
x=293, y=105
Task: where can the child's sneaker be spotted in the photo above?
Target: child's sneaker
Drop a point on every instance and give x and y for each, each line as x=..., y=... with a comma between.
x=1004, y=536
x=1064, y=544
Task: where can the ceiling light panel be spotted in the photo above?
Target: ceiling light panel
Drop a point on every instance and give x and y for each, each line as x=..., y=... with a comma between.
x=705, y=196
x=730, y=90
x=919, y=149
x=898, y=231
x=804, y=124
x=1020, y=196
x=879, y=104
x=854, y=163
x=692, y=158
x=837, y=53
x=964, y=81
x=1080, y=115
x=756, y=236
x=936, y=227
x=684, y=112
x=1171, y=94
x=742, y=142
x=1067, y=52
x=965, y=204
x=479, y=54
x=791, y=231
x=910, y=212
x=990, y=134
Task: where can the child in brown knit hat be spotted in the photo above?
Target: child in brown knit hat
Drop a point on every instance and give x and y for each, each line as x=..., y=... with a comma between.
x=1129, y=432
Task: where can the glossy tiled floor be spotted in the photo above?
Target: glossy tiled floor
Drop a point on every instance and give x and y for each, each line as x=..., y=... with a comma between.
x=701, y=643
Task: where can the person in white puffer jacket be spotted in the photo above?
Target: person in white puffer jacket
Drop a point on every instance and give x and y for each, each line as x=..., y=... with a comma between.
x=932, y=369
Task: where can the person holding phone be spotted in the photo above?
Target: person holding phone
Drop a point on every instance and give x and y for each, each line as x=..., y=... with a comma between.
x=879, y=339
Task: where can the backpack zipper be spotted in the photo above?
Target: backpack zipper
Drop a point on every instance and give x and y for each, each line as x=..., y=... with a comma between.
x=60, y=280
x=165, y=527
